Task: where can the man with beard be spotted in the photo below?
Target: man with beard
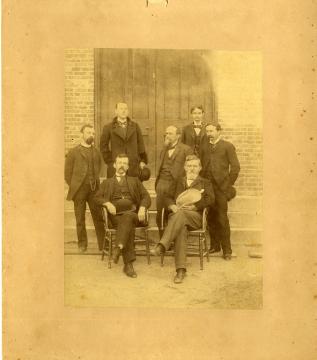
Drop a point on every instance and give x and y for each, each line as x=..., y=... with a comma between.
x=186, y=215
x=171, y=167
x=123, y=135
x=221, y=166
x=82, y=168
x=194, y=134
x=126, y=201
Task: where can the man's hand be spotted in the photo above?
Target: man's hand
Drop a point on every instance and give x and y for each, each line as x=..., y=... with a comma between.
x=142, y=164
x=110, y=207
x=141, y=214
x=174, y=208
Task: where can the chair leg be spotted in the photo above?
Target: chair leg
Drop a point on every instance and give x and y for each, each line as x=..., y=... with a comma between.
x=103, y=248
x=206, y=247
x=147, y=247
x=110, y=252
x=162, y=259
x=201, y=255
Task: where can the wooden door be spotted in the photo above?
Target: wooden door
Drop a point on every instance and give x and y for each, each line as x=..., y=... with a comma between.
x=159, y=86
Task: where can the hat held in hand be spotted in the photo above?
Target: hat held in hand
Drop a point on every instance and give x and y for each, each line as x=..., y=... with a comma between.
x=144, y=174
x=188, y=197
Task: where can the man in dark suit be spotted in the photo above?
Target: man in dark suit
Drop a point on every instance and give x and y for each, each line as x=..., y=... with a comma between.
x=194, y=134
x=221, y=166
x=185, y=216
x=126, y=200
x=171, y=167
x=123, y=135
x=82, y=168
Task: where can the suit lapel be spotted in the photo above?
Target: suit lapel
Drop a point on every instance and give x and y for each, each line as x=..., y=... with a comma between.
x=163, y=152
x=82, y=152
x=131, y=188
x=116, y=130
x=195, y=182
x=176, y=151
x=130, y=128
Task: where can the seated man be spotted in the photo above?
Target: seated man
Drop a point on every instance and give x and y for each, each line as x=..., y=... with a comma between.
x=126, y=200
x=188, y=215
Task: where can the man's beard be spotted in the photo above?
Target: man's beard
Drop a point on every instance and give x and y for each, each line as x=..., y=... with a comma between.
x=191, y=176
x=89, y=140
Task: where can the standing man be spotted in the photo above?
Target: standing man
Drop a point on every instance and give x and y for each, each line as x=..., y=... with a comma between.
x=123, y=135
x=171, y=167
x=194, y=134
x=187, y=216
x=82, y=168
x=221, y=166
x=126, y=200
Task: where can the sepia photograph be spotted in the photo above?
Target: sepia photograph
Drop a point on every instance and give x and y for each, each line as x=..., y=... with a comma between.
x=163, y=178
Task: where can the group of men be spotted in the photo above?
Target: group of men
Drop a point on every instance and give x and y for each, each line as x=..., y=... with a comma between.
x=195, y=157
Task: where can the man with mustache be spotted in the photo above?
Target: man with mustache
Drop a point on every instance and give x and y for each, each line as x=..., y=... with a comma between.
x=171, y=167
x=221, y=166
x=194, y=134
x=122, y=135
x=187, y=216
x=82, y=168
x=126, y=201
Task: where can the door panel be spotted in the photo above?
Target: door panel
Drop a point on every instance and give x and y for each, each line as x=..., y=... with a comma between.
x=159, y=86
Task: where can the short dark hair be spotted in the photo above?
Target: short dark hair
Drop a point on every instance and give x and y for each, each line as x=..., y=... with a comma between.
x=121, y=156
x=86, y=126
x=216, y=125
x=200, y=107
x=192, y=157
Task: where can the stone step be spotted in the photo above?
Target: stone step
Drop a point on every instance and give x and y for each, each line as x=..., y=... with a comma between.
x=243, y=236
x=237, y=219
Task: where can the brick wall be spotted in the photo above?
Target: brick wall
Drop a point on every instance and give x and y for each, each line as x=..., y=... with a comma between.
x=237, y=82
x=79, y=93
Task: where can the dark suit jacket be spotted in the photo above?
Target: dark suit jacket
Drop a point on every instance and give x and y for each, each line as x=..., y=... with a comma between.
x=76, y=168
x=207, y=198
x=178, y=157
x=113, y=143
x=139, y=194
x=220, y=164
x=189, y=134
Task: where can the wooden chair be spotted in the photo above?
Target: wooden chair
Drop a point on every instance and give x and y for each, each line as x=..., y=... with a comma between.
x=201, y=234
x=110, y=234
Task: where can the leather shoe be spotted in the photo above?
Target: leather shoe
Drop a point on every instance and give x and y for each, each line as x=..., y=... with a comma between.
x=158, y=250
x=116, y=252
x=179, y=277
x=227, y=257
x=82, y=249
x=213, y=250
x=129, y=270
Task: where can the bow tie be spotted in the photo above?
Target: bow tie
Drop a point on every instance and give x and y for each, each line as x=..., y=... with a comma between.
x=123, y=124
x=171, y=147
x=197, y=126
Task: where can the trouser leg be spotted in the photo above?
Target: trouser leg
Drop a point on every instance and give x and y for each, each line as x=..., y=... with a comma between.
x=96, y=213
x=125, y=225
x=161, y=189
x=176, y=231
x=212, y=227
x=80, y=214
x=223, y=226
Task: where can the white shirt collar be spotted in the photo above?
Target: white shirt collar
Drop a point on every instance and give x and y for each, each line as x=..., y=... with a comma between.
x=215, y=142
